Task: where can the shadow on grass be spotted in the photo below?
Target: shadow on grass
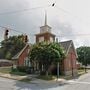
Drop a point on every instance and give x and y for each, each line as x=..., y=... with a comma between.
x=8, y=70
x=17, y=73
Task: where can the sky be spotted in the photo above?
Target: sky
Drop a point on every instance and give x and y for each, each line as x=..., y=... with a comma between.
x=69, y=19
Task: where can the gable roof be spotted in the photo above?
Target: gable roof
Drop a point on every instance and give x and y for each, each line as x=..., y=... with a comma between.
x=66, y=46
x=19, y=53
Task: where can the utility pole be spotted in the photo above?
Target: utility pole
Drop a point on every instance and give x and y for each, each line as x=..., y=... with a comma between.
x=72, y=64
x=85, y=61
x=58, y=66
x=57, y=70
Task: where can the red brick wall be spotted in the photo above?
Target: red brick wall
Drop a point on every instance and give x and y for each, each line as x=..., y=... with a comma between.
x=23, y=56
x=70, y=61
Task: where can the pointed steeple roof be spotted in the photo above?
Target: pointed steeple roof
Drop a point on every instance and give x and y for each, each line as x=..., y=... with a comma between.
x=45, y=28
x=45, y=18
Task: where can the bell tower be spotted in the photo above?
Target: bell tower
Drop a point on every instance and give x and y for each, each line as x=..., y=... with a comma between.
x=45, y=33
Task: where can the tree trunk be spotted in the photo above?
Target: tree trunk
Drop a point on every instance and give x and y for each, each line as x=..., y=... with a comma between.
x=57, y=70
x=47, y=73
x=46, y=69
x=42, y=67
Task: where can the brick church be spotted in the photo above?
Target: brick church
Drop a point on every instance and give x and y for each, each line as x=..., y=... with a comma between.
x=69, y=64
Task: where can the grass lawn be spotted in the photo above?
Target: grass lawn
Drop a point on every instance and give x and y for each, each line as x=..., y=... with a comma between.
x=81, y=71
x=5, y=69
x=51, y=77
x=8, y=70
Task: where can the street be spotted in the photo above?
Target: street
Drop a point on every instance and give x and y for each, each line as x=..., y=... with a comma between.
x=81, y=83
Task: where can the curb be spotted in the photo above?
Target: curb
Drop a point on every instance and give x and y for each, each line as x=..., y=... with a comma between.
x=12, y=76
x=9, y=77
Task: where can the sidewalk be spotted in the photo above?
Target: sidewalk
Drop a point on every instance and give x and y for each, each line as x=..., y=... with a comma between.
x=33, y=79
x=11, y=76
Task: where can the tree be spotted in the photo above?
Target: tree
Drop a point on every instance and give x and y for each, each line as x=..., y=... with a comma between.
x=11, y=46
x=84, y=55
x=46, y=54
x=2, y=55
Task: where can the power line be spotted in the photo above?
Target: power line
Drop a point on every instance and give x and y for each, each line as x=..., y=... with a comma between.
x=62, y=35
x=65, y=11
x=11, y=29
x=52, y=5
x=78, y=35
x=38, y=8
x=16, y=31
x=69, y=13
x=24, y=10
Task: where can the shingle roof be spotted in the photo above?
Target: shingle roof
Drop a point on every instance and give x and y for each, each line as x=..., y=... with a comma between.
x=19, y=53
x=66, y=45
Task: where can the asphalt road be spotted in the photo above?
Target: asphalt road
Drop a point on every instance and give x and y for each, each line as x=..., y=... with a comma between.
x=77, y=84
x=82, y=83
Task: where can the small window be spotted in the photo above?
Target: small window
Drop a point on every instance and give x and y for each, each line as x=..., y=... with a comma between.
x=41, y=39
x=51, y=39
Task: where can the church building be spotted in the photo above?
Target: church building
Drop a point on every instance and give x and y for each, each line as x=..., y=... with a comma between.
x=69, y=64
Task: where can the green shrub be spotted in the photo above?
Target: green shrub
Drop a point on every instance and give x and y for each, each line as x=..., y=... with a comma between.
x=82, y=68
x=29, y=70
x=18, y=73
x=42, y=73
x=14, y=69
x=22, y=68
x=25, y=69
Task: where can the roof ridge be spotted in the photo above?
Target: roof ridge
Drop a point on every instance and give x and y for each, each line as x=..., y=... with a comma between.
x=19, y=53
x=66, y=41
